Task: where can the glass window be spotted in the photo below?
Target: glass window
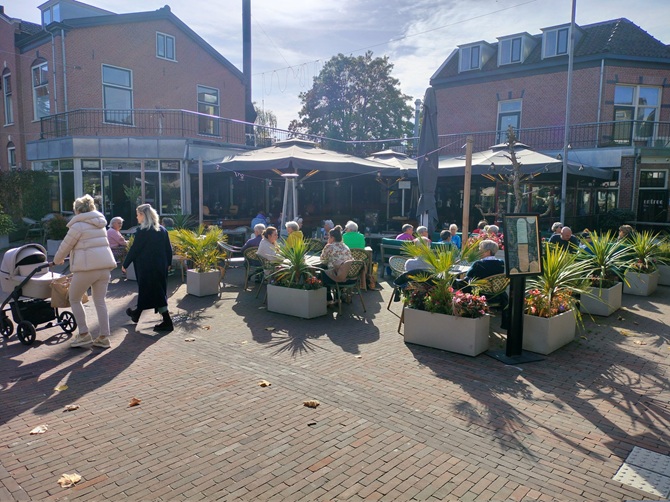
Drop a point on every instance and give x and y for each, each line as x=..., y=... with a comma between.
x=56, y=12
x=7, y=90
x=117, y=89
x=509, y=114
x=208, y=104
x=556, y=42
x=636, y=110
x=11, y=155
x=653, y=179
x=165, y=46
x=170, y=193
x=46, y=16
x=41, y=102
x=470, y=59
x=510, y=51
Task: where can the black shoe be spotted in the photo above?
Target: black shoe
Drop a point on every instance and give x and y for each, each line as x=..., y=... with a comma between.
x=133, y=314
x=166, y=325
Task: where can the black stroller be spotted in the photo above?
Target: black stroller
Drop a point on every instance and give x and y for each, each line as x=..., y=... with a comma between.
x=24, y=275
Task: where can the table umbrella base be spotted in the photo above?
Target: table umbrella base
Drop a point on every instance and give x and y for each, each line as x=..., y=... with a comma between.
x=524, y=357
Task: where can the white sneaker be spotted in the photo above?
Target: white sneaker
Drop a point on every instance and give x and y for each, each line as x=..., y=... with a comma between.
x=81, y=340
x=102, y=341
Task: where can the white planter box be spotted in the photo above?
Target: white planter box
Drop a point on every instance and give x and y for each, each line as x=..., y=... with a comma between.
x=202, y=284
x=130, y=273
x=440, y=331
x=663, y=277
x=52, y=246
x=297, y=302
x=4, y=241
x=546, y=334
x=602, y=302
x=641, y=284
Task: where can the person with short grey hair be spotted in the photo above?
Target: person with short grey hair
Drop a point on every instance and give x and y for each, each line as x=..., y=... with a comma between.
x=407, y=233
x=294, y=233
x=91, y=263
x=455, y=239
x=255, y=241
x=422, y=233
x=116, y=240
x=556, y=227
x=352, y=237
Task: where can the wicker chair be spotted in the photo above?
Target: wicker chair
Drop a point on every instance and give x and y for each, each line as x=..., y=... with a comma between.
x=362, y=255
x=315, y=245
x=352, y=282
x=252, y=270
x=268, y=267
x=494, y=289
x=397, y=265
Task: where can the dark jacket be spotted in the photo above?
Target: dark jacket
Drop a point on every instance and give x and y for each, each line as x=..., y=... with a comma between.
x=252, y=243
x=151, y=253
x=571, y=245
x=482, y=269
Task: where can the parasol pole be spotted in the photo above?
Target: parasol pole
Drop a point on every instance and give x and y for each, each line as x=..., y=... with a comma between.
x=200, y=192
x=566, y=139
x=466, y=188
x=142, y=181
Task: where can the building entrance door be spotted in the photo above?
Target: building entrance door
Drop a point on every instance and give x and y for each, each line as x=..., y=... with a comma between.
x=652, y=206
x=117, y=187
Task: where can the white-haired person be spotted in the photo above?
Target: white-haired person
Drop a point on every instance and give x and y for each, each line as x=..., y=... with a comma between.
x=422, y=233
x=294, y=233
x=254, y=242
x=352, y=237
x=117, y=241
x=151, y=254
x=328, y=225
x=91, y=263
x=455, y=239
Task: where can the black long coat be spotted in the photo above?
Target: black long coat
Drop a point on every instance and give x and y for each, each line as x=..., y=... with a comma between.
x=151, y=253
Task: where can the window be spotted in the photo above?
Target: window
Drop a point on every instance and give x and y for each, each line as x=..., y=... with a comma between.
x=11, y=155
x=510, y=51
x=7, y=90
x=509, y=114
x=165, y=46
x=556, y=42
x=653, y=179
x=208, y=104
x=470, y=58
x=41, y=102
x=117, y=91
x=636, y=110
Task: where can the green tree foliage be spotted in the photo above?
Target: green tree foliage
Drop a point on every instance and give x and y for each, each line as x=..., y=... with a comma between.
x=25, y=193
x=265, y=121
x=355, y=99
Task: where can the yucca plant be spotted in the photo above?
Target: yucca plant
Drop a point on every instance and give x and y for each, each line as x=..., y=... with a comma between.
x=555, y=290
x=607, y=259
x=663, y=251
x=200, y=247
x=292, y=270
x=642, y=251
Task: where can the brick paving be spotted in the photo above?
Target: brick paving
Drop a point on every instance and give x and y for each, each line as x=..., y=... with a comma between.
x=399, y=422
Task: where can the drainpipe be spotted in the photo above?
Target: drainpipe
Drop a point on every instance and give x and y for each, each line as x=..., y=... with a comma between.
x=53, y=71
x=62, y=44
x=636, y=159
x=600, y=99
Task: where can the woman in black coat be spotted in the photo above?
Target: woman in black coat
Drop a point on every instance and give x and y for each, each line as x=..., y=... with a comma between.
x=151, y=253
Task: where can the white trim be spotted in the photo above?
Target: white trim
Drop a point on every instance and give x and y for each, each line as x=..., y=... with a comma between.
x=217, y=134
x=555, y=52
x=42, y=84
x=174, y=47
x=116, y=86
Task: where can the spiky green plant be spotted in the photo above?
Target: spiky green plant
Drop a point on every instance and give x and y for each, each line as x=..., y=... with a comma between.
x=182, y=220
x=201, y=247
x=642, y=250
x=663, y=251
x=292, y=270
x=607, y=259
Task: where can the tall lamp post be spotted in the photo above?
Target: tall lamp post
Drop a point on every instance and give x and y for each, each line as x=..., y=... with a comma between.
x=566, y=141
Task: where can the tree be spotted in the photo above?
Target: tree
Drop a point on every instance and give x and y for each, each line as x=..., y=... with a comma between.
x=355, y=99
x=266, y=121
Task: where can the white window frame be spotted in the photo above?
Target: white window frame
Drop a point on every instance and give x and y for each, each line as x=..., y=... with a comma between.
x=465, y=55
x=502, y=132
x=129, y=88
x=7, y=98
x=510, y=42
x=166, y=38
x=637, y=122
x=11, y=156
x=36, y=87
x=550, y=48
x=215, y=126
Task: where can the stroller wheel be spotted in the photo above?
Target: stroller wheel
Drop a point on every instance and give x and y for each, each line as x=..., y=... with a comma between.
x=6, y=327
x=67, y=322
x=26, y=332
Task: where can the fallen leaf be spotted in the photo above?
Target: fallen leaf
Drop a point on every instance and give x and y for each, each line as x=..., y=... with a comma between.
x=134, y=402
x=264, y=383
x=626, y=333
x=71, y=407
x=40, y=429
x=621, y=318
x=189, y=339
x=206, y=327
x=244, y=342
x=583, y=337
x=312, y=403
x=60, y=388
x=270, y=328
x=67, y=480
x=636, y=323
x=638, y=342
x=358, y=356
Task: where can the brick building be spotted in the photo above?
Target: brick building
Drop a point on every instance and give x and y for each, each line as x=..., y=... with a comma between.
x=103, y=101
x=619, y=117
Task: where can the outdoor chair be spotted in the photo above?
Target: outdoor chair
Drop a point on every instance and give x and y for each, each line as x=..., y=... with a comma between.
x=34, y=230
x=366, y=257
x=494, y=289
x=352, y=282
x=231, y=260
x=268, y=268
x=389, y=248
x=251, y=270
x=397, y=265
x=315, y=245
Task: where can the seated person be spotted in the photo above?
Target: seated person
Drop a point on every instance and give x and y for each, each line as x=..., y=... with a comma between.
x=407, y=233
x=259, y=218
x=493, y=233
x=556, y=228
x=328, y=225
x=168, y=223
x=625, y=232
x=565, y=240
x=268, y=246
x=455, y=239
x=116, y=241
x=422, y=233
x=416, y=264
x=294, y=233
x=352, y=237
x=446, y=238
x=480, y=227
x=333, y=256
x=254, y=241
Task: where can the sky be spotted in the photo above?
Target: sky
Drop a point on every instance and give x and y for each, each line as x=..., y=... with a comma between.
x=292, y=39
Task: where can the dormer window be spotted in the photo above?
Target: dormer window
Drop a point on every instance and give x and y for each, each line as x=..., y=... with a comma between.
x=555, y=42
x=510, y=51
x=51, y=14
x=470, y=58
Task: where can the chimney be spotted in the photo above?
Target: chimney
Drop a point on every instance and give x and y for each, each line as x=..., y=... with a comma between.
x=249, y=112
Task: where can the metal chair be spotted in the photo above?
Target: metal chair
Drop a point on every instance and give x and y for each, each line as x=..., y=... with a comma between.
x=397, y=265
x=268, y=268
x=230, y=261
x=352, y=282
x=365, y=257
x=251, y=270
x=35, y=230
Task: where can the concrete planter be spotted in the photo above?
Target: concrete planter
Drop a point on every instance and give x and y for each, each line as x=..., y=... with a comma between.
x=52, y=246
x=202, y=283
x=544, y=335
x=641, y=284
x=462, y=335
x=663, y=277
x=297, y=302
x=602, y=302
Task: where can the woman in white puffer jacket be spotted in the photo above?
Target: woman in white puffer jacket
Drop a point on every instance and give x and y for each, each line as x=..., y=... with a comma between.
x=91, y=263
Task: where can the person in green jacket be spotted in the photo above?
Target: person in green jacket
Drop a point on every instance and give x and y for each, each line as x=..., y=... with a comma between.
x=352, y=237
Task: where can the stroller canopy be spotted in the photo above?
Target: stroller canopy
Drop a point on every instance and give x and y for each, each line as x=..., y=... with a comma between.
x=25, y=255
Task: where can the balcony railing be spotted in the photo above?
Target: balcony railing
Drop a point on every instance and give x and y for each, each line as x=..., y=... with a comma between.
x=189, y=124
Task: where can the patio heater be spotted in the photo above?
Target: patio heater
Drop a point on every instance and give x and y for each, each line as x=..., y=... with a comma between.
x=289, y=211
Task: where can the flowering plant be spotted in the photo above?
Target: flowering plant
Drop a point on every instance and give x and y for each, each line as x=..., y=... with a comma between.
x=292, y=271
x=540, y=305
x=469, y=305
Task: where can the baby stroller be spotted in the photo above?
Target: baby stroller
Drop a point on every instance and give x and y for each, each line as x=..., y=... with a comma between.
x=24, y=275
